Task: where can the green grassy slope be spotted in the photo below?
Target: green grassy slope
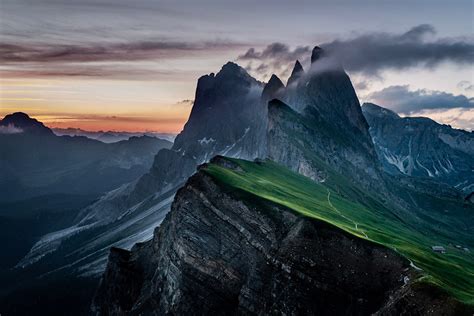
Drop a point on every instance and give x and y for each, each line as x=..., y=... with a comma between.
x=345, y=206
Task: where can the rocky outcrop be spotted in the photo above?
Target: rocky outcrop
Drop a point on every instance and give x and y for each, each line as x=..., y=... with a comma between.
x=273, y=89
x=420, y=147
x=224, y=117
x=296, y=73
x=329, y=116
x=20, y=122
x=308, y=145
x=218, y=252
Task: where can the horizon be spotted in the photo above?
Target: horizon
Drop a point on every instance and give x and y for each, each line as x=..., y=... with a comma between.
x=97, y=67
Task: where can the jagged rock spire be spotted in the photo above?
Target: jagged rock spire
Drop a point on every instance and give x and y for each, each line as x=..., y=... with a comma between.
x=297, y=72
x=273, y=89
x=317, y=53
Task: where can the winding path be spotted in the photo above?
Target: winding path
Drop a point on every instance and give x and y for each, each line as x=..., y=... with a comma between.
x=356, y=226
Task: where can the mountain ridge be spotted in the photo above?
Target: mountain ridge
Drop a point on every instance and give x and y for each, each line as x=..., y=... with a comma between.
x=421, y=147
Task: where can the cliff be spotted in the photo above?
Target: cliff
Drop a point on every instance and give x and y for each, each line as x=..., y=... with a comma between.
x=223, y=252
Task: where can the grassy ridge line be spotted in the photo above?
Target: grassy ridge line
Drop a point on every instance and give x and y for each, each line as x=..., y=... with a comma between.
x=453, y=271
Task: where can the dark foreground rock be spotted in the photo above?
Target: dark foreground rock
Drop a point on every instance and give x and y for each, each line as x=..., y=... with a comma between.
x=221, y=253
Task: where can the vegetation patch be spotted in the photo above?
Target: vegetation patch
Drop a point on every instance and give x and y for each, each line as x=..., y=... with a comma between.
x=347, y=207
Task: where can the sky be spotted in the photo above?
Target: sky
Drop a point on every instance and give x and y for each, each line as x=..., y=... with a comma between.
x=133, y=65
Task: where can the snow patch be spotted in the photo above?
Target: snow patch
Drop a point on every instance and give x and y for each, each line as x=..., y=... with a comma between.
x=206, y=140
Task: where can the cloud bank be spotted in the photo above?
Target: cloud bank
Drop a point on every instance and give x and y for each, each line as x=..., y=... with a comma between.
x=371, y=53
x=104, y=59
x=97, y=52
x=402, y=100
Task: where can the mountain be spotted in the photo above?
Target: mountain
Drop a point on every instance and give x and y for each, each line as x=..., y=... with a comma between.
x=225, y=120
x=314, y=216
x=420, y=147
x=20, y=122
x=316, y=127
x=319, y=118
x=256, y=238
x=34, y=161
x=110, y=136
x=296, y=73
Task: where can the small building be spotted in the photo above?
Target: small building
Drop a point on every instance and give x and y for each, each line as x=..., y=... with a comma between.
x=466, y=249
x=438, y=249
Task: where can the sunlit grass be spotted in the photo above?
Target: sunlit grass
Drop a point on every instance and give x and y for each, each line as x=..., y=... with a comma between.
x=335, y=202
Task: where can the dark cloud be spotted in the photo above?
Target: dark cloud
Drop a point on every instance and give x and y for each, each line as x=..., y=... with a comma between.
x=97, y=52
x=114, y=71
x=372, y=53
x=466, y=85
x=402, y=100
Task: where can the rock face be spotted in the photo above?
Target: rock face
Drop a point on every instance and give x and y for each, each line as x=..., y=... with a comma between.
x=420, y=147
x=224, y=117
x=319, y=119
x=218, y=253
x=296, y=73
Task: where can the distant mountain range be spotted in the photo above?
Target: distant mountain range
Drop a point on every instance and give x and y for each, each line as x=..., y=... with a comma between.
x=34, y=161
x=276, y=199
x=110, y=136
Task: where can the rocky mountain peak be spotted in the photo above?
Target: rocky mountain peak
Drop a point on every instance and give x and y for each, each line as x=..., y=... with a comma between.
x=297, y=72
x=316, y=54
x=376, y=110
x=25, y=123
x=231, y=69
x=273, y=89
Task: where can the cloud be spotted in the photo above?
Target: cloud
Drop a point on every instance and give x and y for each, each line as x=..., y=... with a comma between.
x=457, y=117
x=10, y=129
x=402, y=100
x=276, y=51
x=276, y=58
x=465, y=85
x=97, y=52
x=92, y=70
x=105, y=59
x=371, y=53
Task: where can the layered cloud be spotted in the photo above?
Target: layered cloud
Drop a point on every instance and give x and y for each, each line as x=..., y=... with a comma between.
x=104, y=59
x=371, y=53
x=403, y=100
x=98, y=52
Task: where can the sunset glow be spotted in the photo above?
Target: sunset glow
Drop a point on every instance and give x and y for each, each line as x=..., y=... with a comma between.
x=74, y=64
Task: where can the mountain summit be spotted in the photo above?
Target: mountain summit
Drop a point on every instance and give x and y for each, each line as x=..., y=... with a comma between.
x=297, y=72
x=21, y=122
